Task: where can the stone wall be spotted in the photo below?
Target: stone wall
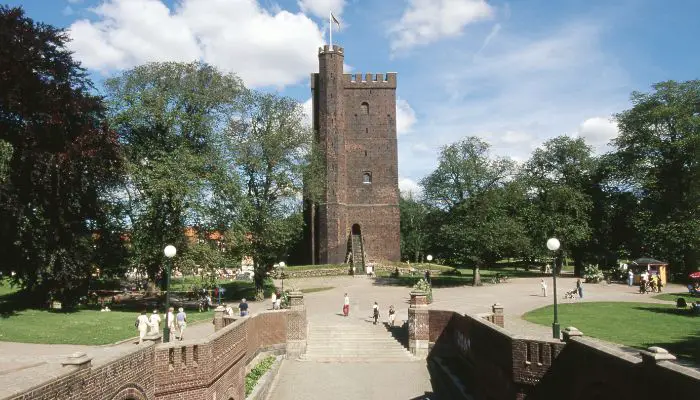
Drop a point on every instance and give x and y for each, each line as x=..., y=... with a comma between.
x=210, y=368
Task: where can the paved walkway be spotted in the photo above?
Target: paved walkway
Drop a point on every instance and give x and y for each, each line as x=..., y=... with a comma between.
x=311, y=380
x=23, y=360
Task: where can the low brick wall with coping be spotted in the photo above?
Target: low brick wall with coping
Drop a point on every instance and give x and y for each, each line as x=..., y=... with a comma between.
x=213, y=367
x=473, y=356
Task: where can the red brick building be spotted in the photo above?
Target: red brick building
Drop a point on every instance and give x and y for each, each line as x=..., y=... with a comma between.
x=354, y=121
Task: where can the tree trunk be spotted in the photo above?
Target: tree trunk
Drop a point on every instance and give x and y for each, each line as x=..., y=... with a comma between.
x=477, y=276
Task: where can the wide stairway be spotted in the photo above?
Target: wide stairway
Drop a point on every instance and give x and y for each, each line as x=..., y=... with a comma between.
x=358, y=260
x=353, y=341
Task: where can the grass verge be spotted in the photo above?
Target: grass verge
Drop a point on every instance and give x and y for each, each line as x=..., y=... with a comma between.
x=256, y=373
x=87, y=327
x=638, y=325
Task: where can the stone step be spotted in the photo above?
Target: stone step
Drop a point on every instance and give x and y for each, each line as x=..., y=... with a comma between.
x=358, y=360
x=356, y=347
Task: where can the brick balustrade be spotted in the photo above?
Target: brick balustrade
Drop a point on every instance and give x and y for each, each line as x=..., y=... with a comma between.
x=210, y=368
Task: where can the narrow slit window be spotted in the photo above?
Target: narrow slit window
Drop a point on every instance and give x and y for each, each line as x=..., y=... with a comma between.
x=366, y=177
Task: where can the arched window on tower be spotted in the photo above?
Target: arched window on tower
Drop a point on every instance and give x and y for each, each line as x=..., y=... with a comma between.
x=367, y=177
x=364, y=107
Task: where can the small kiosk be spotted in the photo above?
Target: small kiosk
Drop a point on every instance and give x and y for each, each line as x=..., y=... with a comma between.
x=652, y=266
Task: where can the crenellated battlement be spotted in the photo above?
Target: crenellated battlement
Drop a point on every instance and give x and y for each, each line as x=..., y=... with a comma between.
x=327, y=49
x=360, y=81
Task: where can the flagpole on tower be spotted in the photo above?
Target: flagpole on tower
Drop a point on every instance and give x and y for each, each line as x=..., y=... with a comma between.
x=330, y=29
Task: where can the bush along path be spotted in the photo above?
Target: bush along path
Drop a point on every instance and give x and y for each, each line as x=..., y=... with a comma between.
x=251, y=380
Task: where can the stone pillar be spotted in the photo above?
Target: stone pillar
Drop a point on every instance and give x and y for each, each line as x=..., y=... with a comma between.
x=79, y=360
x=571, y=332
x=418, y=325
x=296, y=325
x=654, y=354
x=498, y=319
x=219, y=318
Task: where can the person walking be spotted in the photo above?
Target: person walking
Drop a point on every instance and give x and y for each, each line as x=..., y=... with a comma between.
x=154, y=323
x=278, y=303
x=375, y=312
x=181, y=319
x=392, y=315
x=630, y=277
x=142, y=325
x=274, y=300
x=659, y=283
x=170, y=322
x=579, y=288
x=243, y=307
x=543, y=284
x=346, y=305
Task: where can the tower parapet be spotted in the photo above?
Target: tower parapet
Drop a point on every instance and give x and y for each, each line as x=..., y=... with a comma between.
x=327, y=49
x=369, y=80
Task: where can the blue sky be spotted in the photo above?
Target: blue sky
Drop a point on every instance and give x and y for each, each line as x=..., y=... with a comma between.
x=512, y=72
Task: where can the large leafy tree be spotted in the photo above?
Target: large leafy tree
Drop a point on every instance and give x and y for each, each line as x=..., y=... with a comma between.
x=414, y=227
x=57, y=156
x=471, y=187
x=171, y=118
x=269, y=146
x=659, y=155
x=559, y=178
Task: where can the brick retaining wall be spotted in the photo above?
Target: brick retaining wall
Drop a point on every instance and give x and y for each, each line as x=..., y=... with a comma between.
x=209, y=368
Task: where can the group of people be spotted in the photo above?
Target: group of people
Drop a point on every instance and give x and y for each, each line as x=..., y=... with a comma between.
x=647, y=282
x=151, y=325
x=375, y=310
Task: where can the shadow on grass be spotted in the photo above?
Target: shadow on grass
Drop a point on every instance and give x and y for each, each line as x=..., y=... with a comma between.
x=687, y=349
x=685, y=312
x=12, y=303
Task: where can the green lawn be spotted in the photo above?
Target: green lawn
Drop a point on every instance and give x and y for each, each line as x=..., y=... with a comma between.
x=673, y=296
x=639, y=325
x=87, y=327
x=446, y=279
x=5, y=287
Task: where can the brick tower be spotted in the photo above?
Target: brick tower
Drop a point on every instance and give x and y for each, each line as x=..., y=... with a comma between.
x=354, y=120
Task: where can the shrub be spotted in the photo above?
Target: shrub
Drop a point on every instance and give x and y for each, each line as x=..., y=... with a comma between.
x=592, y=274
x=423, y=286
x=256, y=373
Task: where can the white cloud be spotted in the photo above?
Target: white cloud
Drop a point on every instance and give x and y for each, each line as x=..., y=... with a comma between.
x=522, y=90
x=597, y=132
x=307, y=106
x=405, y=117
x=321, y=8
x=408, y=187
x=425, y=21
x=263, y=47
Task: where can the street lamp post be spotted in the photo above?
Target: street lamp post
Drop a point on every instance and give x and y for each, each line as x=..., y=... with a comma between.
x=553, y=245
x=281, y=266
x=169, y=252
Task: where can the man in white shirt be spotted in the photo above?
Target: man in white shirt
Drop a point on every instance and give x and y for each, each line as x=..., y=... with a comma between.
x=181, y=319
x=543, y=284
x=170, y=322
x=154, y=323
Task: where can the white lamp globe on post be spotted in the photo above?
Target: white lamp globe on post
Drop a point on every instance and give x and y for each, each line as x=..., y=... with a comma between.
x=170, y=251
x=429, y=258
x=553, y=245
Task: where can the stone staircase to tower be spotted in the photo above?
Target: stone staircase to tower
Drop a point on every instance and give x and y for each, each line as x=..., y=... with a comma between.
x=353, y=342
x=358, y=259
